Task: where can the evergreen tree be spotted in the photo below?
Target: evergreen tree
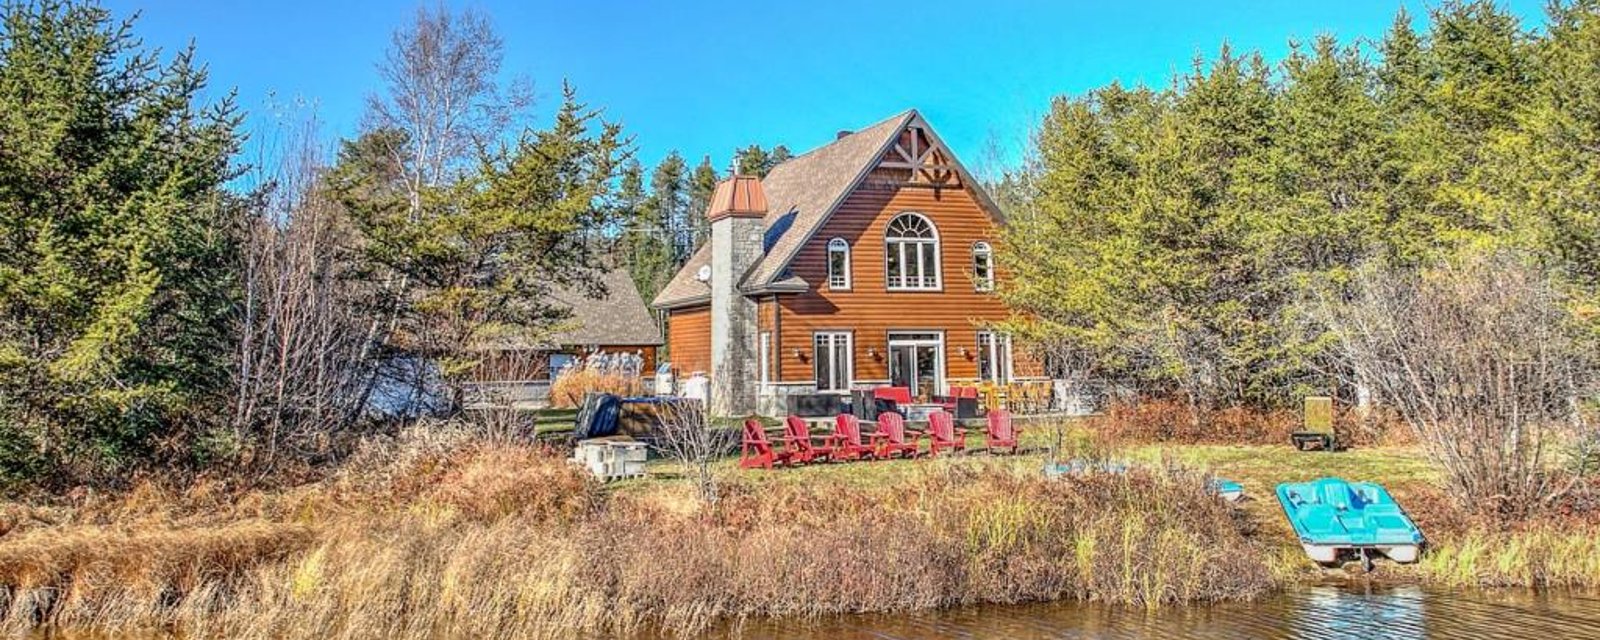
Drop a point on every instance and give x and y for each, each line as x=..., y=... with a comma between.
x=487, y=250
x=752, y=160
x=1179, y=237
x=643, y=243
x=630, y=190
x=702, y=184
x=118, y=244
x=1541, y=181
x=780, y=155
x=756, y=161
x=670, y=205
x=1326, y=212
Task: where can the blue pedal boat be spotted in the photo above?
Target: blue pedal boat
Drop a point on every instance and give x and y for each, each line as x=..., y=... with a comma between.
x=1333, y=517
x=1227, y=489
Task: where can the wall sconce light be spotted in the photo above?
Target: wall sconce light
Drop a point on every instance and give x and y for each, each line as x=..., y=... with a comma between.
x=798, y=355
x=872, y=352
x=966, y=353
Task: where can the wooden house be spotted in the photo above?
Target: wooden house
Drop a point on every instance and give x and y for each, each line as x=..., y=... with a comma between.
x=867, y=262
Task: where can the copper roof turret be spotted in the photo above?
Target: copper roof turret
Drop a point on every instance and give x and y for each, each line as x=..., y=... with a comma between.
x=738, y=196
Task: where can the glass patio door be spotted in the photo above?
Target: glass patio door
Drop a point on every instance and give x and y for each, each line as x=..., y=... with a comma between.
x=916, y=361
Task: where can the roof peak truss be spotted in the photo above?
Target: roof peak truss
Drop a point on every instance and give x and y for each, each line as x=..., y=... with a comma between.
x=918, y=158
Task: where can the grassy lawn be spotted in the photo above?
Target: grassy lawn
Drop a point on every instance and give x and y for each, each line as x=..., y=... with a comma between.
x=1258, y=467
x=1261, y=467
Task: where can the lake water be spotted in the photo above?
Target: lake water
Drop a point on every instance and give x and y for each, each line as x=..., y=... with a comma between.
x=1323, y=612
x=1310, y=612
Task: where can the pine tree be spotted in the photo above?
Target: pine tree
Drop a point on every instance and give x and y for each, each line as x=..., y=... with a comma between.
x=1327, y=212
x=630, y=190
x=1542, y=181
x=780, y=155
x=702, y=184
x=643, y=244
x=670, y=204
x=756, y=161
x=118, y=244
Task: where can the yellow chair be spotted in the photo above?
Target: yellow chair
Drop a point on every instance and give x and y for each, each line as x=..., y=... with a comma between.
x=1040, y=397
x=991, y=396
x=1022, y=396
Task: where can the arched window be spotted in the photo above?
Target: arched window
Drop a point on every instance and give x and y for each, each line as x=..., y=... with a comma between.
x=982, y=266
x=911, y=253
x=838, y=265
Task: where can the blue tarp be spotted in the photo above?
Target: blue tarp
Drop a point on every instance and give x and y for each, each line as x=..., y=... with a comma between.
x=602, y=415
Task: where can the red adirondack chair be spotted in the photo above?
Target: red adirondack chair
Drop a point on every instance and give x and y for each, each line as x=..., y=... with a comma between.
x=1001, y=434
x=942, y=434
x=800, y=442
x=847, y=439
x=890, y=439
x=756, y=450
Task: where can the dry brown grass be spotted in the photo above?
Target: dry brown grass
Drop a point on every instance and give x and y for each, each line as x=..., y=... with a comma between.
x=443, y=535
x=570, y=387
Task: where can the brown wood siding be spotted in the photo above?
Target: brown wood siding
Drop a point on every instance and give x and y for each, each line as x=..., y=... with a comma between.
x=689, y=340
x=868, y=309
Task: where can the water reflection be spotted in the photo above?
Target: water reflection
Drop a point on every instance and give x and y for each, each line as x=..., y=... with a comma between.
x=1313, y=612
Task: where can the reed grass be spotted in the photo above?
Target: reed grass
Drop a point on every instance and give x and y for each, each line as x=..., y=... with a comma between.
x=1537, y=555
x=443, y=536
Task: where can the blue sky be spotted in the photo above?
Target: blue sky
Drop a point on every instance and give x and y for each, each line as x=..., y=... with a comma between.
x=707, y=77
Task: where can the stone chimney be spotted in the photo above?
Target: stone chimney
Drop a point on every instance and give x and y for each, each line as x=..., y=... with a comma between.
x=738, y=208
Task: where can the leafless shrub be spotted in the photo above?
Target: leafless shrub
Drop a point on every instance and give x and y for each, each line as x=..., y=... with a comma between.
x=296, y=365
x=1483, y=360
x=684, y=434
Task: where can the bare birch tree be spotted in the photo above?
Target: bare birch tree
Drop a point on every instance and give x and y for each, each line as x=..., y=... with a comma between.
x=444, y=99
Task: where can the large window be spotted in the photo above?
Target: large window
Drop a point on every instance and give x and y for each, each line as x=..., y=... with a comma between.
x=911, y=253
x=831, y=357
x=982, y=266
x=838, y=265
x=994, y=357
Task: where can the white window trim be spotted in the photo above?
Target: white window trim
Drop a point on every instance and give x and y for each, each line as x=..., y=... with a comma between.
x=997, y=343
x=899, y=244
x=941, y=341
x=834, y=245
x=984, y=249
x=849, y=360
x=764, y=359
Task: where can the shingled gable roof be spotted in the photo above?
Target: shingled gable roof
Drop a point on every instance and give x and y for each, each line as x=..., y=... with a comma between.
x=802, y=194
x=618, y=317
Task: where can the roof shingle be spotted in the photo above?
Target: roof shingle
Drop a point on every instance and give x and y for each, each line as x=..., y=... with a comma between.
x=619, y=318
x=800, y=194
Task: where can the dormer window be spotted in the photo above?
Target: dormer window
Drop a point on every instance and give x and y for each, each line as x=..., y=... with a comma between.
x=911, y=254
x=838, y=265
x=982, y=266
